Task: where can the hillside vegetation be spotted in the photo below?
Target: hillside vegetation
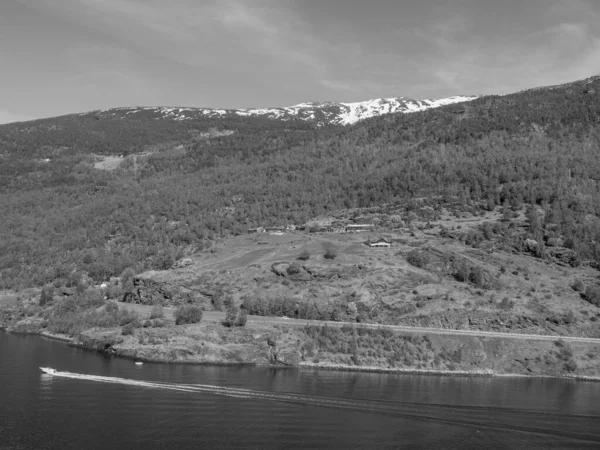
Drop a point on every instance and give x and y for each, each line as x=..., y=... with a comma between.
x=182, y=185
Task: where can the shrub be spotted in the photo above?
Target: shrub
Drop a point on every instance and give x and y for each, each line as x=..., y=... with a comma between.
x=127, y=329
x=46, y=296
x=157, y=312
x=217, y=300
x=569, y=317
x=463, y=272
x=70, y=323
x=417, y=258
x=592, y=295
x=127, y=279
x=111, y=307
x=126, y=316
x=570, y=366
x=227, y=301
x=506, y=304
x=304, y=255
x=92, y=298
x=578, y=285
x=242, y=318
x=330, y=253
x=153, y=323
x=187, y=314
x=231, y=315
x=66, y=306
x=158, y=323
x=477, y=276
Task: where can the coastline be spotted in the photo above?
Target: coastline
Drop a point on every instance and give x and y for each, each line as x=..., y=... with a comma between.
x=442, y=373
x=303, y=365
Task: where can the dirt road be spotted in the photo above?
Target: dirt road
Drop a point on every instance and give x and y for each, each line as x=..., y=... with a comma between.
x=216, y=316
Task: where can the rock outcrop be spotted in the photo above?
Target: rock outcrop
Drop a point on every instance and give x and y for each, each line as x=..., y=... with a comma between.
x=156, y=288
x=99, y=340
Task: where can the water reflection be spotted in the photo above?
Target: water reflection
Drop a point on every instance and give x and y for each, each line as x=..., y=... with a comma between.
x=46, y=384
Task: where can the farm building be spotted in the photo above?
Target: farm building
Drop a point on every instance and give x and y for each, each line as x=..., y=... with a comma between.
x=381, y=242
x=355, y=228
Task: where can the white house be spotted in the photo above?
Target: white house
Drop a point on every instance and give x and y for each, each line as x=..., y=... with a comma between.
x=381, y=242
x=355, y=228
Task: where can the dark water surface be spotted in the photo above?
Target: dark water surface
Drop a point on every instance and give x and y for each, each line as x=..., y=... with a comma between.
x=105, y=403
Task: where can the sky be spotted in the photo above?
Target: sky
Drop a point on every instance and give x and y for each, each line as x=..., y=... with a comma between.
x=66, y=56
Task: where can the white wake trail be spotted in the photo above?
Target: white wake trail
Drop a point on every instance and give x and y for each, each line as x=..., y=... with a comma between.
x=539, y=422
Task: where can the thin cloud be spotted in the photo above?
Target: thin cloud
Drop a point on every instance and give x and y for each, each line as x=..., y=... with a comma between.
x=277, y=34
x=259, y=53
x=557, y=52
x=193, y=33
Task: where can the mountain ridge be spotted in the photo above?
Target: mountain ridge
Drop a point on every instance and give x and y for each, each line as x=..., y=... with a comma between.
x=322, y=113
x=180, y=185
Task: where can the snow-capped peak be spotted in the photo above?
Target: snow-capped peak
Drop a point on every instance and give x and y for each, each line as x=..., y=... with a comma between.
x=321, y=113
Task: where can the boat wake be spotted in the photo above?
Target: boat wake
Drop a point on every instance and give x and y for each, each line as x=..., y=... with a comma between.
x=583, y=427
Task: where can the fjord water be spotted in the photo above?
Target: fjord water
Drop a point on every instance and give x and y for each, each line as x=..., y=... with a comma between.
x=102, y=402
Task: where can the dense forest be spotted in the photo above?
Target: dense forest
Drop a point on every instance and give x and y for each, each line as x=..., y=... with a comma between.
x=183, y=184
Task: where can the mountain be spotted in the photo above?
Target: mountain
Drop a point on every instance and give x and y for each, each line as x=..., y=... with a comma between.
x=177, y=185
x=319, y=113
x=130, y=130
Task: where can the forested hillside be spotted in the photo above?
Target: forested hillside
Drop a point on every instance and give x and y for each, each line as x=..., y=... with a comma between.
x=185, y=183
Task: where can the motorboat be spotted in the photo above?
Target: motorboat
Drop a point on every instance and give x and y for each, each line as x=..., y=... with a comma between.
x=138, y=363
x=48, y=370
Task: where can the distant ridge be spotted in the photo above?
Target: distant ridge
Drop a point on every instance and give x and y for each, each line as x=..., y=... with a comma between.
x=321, y=113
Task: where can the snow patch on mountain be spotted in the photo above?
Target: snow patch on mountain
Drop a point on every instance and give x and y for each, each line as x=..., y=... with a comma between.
x=325, y=113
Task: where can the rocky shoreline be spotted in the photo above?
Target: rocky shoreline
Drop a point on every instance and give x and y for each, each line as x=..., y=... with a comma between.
x=257, y=347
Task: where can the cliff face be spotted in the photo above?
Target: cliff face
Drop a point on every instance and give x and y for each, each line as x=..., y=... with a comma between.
x=147, y=291
x=162, y=288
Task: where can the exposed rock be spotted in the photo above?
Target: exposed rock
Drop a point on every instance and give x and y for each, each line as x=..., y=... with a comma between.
x=428, y=290
x=153, y=288
x=147, y=291
x=185, y=262
x=287, y=358
x=280, y=268
x=478, y=320
x=99, y=340
x=564, y=255
x=330, y=272
x=531, y=245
